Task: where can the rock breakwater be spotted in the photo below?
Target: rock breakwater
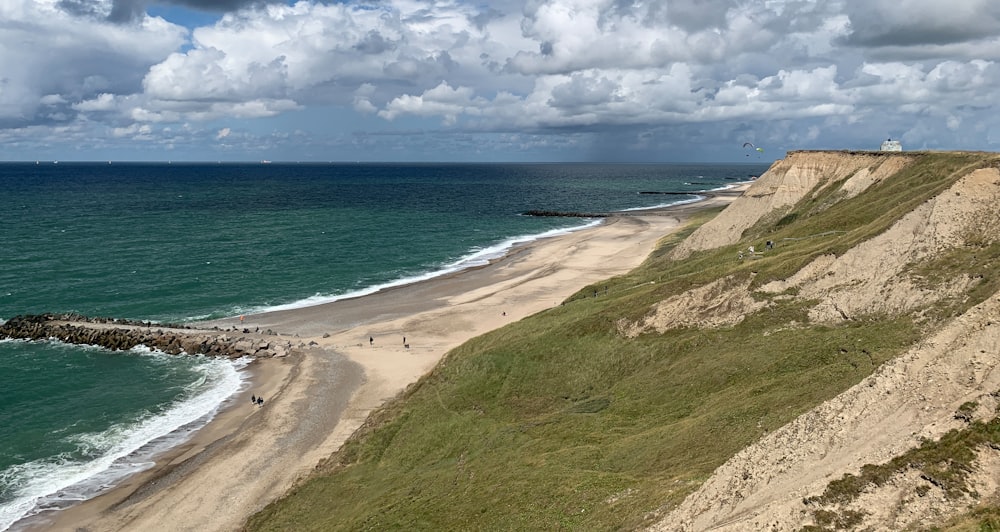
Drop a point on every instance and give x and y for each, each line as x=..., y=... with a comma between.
x=566, y=214
x=120, y=335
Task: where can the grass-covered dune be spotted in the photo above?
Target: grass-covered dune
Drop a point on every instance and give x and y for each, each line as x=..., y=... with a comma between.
x=607, y=412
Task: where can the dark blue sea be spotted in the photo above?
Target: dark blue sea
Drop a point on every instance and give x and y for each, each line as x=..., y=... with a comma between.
x=188, y=242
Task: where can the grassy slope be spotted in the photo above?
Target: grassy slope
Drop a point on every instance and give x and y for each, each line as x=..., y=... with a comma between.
x=557, y=422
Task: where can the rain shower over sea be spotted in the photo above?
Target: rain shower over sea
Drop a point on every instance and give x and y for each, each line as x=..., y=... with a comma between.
x=187, y=242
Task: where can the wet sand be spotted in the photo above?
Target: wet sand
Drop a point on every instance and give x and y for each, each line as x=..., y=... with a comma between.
x=352, y=358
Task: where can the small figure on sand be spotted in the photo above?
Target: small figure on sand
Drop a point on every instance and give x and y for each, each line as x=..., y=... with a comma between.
x=253, y=399
x=242, y=317
x=260, y=401
x=371, y=341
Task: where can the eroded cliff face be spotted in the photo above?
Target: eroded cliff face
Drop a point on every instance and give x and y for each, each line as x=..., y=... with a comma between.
x=786, y=183
x=907, y=400
x=717, y=304
x=870, y=278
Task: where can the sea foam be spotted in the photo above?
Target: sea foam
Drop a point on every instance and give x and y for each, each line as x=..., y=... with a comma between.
x=475, y=258
x=122, y=450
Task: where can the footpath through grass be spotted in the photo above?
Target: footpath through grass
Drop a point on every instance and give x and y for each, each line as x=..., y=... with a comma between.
x=558, y=422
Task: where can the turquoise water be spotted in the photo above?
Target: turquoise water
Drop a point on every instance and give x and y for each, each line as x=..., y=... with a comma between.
x=76, y=419
x=176, y=243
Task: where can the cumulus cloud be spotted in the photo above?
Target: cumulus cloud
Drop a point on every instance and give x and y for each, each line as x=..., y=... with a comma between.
x=443, y=101
x=51, y=57
x=103, y=102
x=134, y=131
x=815, y=72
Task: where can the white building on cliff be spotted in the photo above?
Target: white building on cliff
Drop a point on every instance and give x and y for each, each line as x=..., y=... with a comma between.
x=891, y=145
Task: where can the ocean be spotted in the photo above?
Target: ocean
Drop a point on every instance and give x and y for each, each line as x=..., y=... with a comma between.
x=178, y=243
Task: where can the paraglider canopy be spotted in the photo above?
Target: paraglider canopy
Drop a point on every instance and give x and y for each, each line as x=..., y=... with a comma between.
x=750, y=145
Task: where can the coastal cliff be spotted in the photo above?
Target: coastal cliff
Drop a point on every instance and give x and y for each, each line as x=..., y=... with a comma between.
x=788, y=182
x=930, y=265
x=822, y=354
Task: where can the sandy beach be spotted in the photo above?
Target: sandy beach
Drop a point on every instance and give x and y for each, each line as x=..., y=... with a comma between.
x=353, y=355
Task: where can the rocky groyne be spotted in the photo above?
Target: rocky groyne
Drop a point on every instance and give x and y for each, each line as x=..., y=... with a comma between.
x=120, y=335
x=566, y=214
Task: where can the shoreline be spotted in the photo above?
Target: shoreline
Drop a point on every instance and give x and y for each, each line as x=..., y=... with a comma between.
x=355, y=354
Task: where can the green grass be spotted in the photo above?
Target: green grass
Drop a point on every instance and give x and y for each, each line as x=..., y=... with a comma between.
x=557, y=422
x=985, y=518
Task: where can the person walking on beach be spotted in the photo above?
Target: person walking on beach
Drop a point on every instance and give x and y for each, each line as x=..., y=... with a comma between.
x=253, y=399
x=260, y=401
x=371, y=341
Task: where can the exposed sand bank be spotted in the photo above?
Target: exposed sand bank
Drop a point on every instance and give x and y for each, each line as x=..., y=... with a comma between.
x=316, y=397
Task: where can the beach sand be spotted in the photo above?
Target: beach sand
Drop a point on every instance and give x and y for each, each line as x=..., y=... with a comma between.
x=352, y=359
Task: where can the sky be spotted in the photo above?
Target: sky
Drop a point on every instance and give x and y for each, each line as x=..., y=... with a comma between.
x=493, y=81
